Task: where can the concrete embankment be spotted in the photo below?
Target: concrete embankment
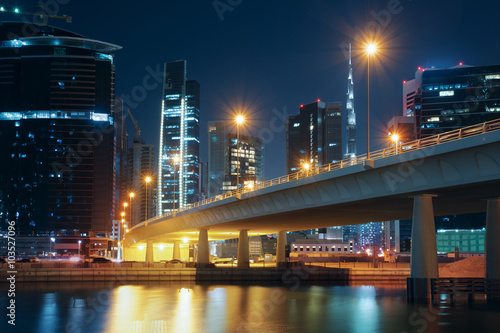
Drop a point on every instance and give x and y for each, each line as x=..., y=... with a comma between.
x=158, y=272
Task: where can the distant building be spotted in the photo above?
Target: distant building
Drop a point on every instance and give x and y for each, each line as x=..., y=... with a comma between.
x=139, y=163
x=57, y=131
x=310, y=246
x=371, y=234
x=315, y=136
x=350, y=114
x=179, y=138
x=223, y=158
x=465, y=240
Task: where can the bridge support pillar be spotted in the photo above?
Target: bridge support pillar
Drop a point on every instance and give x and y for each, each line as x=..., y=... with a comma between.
x=492, y=244
x=203, y=251
x=177, y=250
x=280, y=249
x=149, y=252
x=243, y=250
x=424, y=263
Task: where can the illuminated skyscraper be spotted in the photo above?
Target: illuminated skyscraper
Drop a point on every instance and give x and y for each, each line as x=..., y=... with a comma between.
x=351, y=116
x=179, y=137
x=315, y=135
x=57, y=131
x=223, y=159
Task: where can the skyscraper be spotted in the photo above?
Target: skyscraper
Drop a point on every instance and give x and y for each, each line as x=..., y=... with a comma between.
x=315, y=135
x=442, y=100
x=223, y=158
x=56, y=130
x=351, y=116
x=179, y=139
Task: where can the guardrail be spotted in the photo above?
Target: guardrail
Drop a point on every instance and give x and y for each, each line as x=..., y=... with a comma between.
x=454, y=135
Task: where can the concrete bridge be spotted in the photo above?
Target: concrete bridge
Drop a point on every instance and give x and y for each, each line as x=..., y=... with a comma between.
x=451, y=173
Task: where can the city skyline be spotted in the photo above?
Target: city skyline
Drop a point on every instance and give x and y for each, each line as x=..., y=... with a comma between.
x=276, y=75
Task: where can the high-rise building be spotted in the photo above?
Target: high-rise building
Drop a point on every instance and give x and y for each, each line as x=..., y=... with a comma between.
x=442, y=100
x=139, y=164
x=56, y=129
x=351, y=115
x=223, y=158
x=179, y=139
x=371, y=234
x=315, y=135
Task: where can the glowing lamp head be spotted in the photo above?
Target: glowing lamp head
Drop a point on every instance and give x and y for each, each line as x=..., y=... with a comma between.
x=240, y=120
x=395, y=138
x=148, y=179
x=371, y=48
x=123, y=213
x=306, y=166
x=2, y=9
x=185, y=240
x=176, y=159
x=52, y=239
x=16, y=10
x=132, y=194
x=125, y=204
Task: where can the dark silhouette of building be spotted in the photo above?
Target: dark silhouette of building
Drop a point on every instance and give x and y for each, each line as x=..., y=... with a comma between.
x=56, y=131
x=315, y=136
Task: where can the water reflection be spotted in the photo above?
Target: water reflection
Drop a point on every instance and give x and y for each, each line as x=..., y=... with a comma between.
x=229, y=308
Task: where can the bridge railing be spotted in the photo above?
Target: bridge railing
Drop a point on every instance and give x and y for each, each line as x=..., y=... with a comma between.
x=454, y=135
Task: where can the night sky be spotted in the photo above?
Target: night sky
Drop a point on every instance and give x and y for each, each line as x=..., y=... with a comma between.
x=263, y=55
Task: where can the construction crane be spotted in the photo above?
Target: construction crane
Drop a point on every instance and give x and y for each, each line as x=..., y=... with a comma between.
x=41, y=14
x=137, y=129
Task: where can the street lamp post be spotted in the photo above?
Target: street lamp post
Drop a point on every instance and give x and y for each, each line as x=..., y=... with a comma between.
x=306, y=167
x=52, y=240
x=79, y=247
x=148, y=179
x=395, y=139
x=176, y=160
x=370, y=49
x=131, y=195
x=239, y=121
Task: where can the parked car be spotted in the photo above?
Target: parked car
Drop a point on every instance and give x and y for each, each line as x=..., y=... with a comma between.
x=175, y=261
x=100, y=260
x=32, y=259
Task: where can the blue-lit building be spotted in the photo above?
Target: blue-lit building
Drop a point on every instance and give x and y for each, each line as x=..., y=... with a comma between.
x=56, y=131
x=445, y=99
x=314, y=135
x=371, y=234
x=179, y=138
x=471, y=240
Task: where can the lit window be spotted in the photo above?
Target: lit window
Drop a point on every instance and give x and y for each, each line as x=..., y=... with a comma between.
x=433, y=119
x=447, y=93
x=296, y=124
x=492, y=77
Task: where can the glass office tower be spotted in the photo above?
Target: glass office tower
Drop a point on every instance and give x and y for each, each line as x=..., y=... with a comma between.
x=179, y=139
x=56, y=131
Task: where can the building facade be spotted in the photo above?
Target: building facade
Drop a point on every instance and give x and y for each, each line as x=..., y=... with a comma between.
x=443, y=100
x=57, y=131
x=223, y=159
x=179, y=139
x=139, y=164
x=315, y=136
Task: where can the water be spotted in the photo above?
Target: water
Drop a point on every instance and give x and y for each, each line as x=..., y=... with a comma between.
x=186, y=307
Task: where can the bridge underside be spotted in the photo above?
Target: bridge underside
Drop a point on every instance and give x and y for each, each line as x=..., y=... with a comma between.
x=449, y=201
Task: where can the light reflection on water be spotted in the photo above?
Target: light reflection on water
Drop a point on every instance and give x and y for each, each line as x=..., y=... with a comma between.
x=185, y=307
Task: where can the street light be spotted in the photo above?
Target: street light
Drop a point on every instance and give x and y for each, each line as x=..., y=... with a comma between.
x=52, y=240
x=370, y=49
x=395, y=139
x=148, y=179
x=239, y=120
x=79, y=246
x=306, y=167
x=176, y=159
x=131, y=195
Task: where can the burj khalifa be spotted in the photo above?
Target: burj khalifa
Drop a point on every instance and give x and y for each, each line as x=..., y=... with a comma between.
x=351, y=116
